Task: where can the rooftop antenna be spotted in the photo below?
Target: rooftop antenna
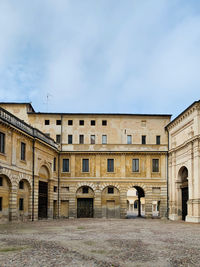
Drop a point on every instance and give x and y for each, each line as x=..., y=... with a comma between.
x=48, y=96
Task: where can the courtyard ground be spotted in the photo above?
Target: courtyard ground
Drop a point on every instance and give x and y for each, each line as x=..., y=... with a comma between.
x=100, y=242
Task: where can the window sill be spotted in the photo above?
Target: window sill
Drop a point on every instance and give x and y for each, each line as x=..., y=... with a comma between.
x=65, y=172
x=3, y=154
x=23, y=161
x=85, y=172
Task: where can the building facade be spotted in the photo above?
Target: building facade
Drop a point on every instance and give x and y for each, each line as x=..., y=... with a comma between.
x=68, y=165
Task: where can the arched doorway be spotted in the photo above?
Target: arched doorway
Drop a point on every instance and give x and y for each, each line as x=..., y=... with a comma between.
x=85, y=202
x=23, y=200
x=183, y=177
x=43, y=188
x=136, y=199
x=110, y=200
x=5, y=193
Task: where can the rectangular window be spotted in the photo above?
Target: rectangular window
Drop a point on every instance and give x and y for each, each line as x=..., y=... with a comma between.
x=46, y=122
x=1, y=181
x=70, y=122
x=70, y=139
x=81, y=122
x=104, y=122
x=58, y=122
x=58, y=138
x=65, y=165
x=2, y=143
x=54, y=164
x=23, y=151
x=85, y=190
x=21, y=185
x=110, y=190
x=93, y=122
x=155, y=165
x=110, y=165
x=129, y=139
x=92, y=139
x=135, y=166
x=104, y=139
x=55, y=189
x=143, y=139
x=81, y=139
x=158, y=140
x=1, y=203
x=85, y=165
x=21, y=204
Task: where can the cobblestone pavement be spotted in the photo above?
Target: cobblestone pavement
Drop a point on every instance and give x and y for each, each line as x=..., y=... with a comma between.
x=100, y=242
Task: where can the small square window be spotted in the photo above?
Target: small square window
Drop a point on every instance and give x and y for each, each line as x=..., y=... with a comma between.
x=70, y=122
x=21, y=204
x=81, y=139
x=58, y=138
x=110, y=190
x=93, y=122
x=46, y=122
x=92, y=139
x=81, y=122
x=85, y=190
x=104, y=122
x=143, y=139
x=158, y=140
x=1, y=181
x=21, y=185
x=58, y=122
x=55, y=189
x=70, y=139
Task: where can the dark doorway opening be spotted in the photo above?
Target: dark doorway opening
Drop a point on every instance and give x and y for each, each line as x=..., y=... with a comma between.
x=184, y=202
x=42, y=200
x=84, y=207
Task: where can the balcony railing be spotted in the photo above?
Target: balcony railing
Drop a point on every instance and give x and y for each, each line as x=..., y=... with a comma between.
x=16, y=122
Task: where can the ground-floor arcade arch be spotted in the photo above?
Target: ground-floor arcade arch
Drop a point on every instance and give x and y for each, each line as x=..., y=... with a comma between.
x=24, y=200
x=110, y=202
x=5, y=198
x=85, y=202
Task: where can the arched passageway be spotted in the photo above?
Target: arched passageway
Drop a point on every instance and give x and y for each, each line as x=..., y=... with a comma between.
x=85, y=202
x=183, y=177
x=43, y=189
x=5, y=192
x=136, y=202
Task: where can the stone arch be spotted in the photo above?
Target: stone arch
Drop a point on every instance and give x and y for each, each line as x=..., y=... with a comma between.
x=183, y=192
x=110, y=199
x=136, y=192
x=103, y=186
x=44, y=172
x=91, y=185
x=6, y=197
x=24, y=199
x=85, y=201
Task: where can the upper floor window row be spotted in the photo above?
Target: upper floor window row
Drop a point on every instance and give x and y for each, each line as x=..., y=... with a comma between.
x=81, y=122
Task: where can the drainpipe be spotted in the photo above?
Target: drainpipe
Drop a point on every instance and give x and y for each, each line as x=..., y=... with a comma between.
x=33, y=177
x=168, y=177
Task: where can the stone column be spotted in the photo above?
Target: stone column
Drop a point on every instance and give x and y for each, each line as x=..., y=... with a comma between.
x=123, y=203
x=97, y=204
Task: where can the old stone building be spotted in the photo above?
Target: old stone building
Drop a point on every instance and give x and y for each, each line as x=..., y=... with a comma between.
x=82, y=165
x=184, y=165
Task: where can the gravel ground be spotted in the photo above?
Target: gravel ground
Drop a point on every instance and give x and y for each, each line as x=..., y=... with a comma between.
x=99, y=242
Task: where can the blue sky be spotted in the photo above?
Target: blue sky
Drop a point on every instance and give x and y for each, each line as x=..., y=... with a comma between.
x=137, y=56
